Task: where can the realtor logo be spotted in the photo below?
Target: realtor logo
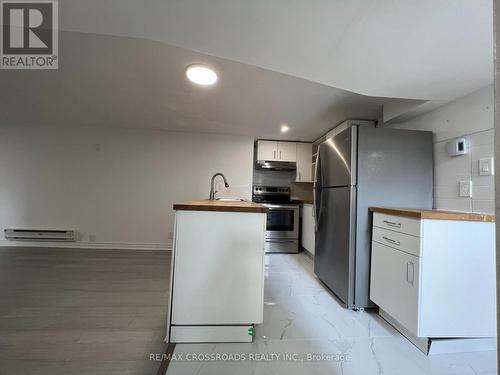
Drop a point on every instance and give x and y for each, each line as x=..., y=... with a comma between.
x=29, y=34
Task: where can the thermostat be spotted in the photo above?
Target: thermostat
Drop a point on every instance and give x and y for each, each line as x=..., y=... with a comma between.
x=458, y=146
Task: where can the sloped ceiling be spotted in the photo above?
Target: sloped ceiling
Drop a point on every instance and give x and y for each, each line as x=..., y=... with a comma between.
x=127, y=82
x=309, y=64
x=425, y=49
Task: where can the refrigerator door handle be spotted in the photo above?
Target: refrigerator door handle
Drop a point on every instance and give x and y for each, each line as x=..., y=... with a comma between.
x=317, y=214
x=314, y=211
x=317, y=191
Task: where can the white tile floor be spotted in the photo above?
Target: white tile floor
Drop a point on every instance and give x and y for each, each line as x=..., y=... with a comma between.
x=301, y=317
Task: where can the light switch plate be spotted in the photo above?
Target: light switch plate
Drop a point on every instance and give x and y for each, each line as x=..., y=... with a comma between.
x=486, y=167
x=465, y=189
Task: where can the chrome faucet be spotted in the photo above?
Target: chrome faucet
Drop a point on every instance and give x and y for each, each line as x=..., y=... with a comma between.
x=212, y=191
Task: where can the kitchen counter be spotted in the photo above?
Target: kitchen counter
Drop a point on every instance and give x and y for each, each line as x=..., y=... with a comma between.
x=415, y=259
x=224, y=206
x=217, y=277
x=434, y=214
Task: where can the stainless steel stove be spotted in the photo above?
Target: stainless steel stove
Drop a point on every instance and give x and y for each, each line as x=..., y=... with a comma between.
x=282, y=228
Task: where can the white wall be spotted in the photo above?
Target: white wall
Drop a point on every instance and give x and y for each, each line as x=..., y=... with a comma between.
x=471, y=115
x=115, y=184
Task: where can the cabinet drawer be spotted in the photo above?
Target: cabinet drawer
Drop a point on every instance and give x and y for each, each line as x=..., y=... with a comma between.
x=394, y=284
x=398, y=224
x=397, y=240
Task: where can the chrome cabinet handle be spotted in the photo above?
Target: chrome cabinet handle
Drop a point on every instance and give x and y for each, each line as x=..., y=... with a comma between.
x=392, y=224
x=300, y=176
x=280, y=155
x=274, y=154
x=410, y=265
x=390, y=240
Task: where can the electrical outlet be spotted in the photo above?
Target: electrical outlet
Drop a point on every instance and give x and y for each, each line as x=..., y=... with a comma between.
x=465, y=189
x=92, y=237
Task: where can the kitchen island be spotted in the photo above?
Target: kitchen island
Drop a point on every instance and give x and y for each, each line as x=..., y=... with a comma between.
x=217, y=279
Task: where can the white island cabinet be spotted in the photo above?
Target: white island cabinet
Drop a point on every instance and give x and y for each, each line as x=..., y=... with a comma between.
x=217, y=283
x=433, y=277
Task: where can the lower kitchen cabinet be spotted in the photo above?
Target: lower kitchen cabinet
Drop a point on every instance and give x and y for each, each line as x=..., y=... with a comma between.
x=395, y=284
x=308, y=228
x=434, y=278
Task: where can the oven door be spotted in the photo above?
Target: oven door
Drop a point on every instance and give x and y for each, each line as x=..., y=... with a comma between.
x=282, y=222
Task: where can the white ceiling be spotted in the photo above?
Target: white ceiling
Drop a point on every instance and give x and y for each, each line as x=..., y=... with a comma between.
x=310, y=64
x=128, y=82
x=425, y=49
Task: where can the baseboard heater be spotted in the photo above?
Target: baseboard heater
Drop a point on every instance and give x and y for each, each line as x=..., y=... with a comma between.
x=39, y=235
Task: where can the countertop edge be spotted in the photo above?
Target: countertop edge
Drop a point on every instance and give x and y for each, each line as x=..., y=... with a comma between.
x=435, y=214
x=220, y=207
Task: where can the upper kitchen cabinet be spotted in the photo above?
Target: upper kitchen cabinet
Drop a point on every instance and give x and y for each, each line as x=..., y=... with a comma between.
x=267, y=150
x=304, y=163
x=276, y=151
x=294, y=152
x=287, y=151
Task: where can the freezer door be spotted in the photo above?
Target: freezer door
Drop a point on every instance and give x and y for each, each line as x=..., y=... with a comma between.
x=337, y=156
x=334, y=250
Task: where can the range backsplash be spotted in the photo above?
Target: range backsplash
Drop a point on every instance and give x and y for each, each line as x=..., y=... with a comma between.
x=273, y=178
x=298, y=191
x=302, y=191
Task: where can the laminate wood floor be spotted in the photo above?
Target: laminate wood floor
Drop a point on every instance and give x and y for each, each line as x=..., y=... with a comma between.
x=71, y=311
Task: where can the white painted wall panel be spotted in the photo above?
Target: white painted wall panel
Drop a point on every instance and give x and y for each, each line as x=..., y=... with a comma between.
x=219, y=268
x=123, y=193
x=472, y=116
x=466, y=115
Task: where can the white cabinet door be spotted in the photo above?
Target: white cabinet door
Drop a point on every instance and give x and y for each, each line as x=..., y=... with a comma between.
x=308, y=230
x=267, y=150
x=304, y=162
x=218, y=268
x=287, y=151
x=394, y=284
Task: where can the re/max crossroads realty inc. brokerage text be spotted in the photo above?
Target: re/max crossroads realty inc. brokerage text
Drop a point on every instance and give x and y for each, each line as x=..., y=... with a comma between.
x=257, y=357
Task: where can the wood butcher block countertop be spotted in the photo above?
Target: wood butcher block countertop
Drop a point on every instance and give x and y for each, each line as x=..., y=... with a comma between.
x=434, y=214
x=226, y=206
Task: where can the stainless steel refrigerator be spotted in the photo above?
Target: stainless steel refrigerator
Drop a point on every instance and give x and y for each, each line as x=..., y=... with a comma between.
x=360, y=167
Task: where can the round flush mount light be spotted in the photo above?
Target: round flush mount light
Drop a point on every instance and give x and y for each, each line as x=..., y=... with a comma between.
x=284, y=128
x=201, y=74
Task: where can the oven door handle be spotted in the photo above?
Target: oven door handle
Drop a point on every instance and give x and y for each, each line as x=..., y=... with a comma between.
x=281, y=208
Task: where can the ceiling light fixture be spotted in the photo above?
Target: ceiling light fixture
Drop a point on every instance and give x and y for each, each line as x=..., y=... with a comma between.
x=201, y=74
x=284, y=128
